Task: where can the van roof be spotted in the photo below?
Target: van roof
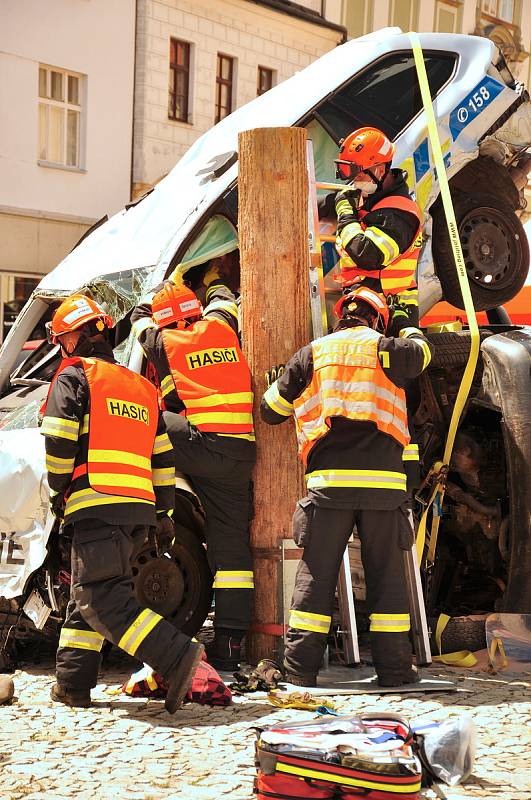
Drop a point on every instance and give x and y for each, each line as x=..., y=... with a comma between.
x=149, y=233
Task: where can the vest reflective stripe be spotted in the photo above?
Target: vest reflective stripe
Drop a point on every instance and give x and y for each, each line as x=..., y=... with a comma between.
x=138, y=630
x=81, y=640
x=162, y=444
x=60, y=428
x=59, y=466
x=389, y=623
x=233, y=579
x=167, y=385
x=408, y=785
x=216, y=419
x=88, y=498
x=276, y=402
x=398, y=271
x=306, y=621
x=164, y=476
x=211, y=376
x=411, y=453
x=349, y=381
x=357, y=478
x=121, y=457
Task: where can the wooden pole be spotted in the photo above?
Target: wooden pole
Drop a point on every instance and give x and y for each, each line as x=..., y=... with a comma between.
x=273, y=237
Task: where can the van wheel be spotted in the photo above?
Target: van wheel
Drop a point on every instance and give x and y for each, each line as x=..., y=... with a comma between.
x=495, y=251
x=177, y=585
x=451, y=348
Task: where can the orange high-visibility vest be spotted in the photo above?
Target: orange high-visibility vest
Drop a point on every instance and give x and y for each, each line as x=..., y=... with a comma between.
x=400, y=273
x=212, y=377
x=122, y=425
x=349, y=381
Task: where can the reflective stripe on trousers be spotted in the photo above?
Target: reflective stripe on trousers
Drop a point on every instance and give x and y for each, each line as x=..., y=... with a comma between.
x=138, y=630
x=390, y=623
x=80, y=639
x=233, y=579
x=305, y=621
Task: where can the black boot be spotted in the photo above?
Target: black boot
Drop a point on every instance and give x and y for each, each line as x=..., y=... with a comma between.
x=225, y=651
x=75, y=698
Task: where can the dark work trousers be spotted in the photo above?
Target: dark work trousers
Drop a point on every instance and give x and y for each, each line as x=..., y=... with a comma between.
x=223, y=485
x=324, y=533
x=103, y=606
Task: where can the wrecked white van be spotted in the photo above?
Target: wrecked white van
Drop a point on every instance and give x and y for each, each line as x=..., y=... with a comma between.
x=484, y=121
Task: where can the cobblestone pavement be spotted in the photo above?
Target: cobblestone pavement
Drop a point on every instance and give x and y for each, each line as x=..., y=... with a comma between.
x=130, y=749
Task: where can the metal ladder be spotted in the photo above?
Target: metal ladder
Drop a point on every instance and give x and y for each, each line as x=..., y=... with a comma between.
x=347, y=614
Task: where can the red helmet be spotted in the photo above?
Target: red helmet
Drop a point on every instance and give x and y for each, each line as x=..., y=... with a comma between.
x=349, y=302
x=75, y=312
x=362, y=149
x=173, y=304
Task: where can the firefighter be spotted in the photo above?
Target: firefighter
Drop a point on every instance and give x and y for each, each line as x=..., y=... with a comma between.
x=378, y=224
x=205, y=384
x=110, y=472
x=346, y=393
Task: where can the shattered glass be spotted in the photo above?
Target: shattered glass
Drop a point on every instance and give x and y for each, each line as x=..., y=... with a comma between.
x=20, y=418
x=119, y=292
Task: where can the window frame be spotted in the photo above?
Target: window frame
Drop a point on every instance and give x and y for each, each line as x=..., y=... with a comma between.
x=497, y=16
x=220, y=81
x=261, y=70
x=174, y=70
x=317, y=110
x=65, y=106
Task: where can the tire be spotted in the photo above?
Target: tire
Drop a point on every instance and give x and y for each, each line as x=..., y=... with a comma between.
x=177, y=585
x=461, y=633
x=495, y=251
x=451, y=348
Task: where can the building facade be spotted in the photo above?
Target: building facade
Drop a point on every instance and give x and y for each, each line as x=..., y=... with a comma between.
x=66, y=100
x=506, y=22
x=196, y=61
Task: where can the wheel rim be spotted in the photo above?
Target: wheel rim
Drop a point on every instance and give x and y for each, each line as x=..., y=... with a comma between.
x=490, y=248
x=169, y=585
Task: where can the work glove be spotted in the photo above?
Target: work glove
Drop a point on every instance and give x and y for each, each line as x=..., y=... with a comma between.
x=164, y=532
x=273, y=374
x=347, y=202
x=212, y=274
x=57, y=504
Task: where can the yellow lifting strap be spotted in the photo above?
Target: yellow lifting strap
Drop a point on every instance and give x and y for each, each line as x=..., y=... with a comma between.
x=461, y=658
x=437, y=495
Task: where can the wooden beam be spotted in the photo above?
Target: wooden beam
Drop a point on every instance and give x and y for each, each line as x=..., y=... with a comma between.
x=274, y=259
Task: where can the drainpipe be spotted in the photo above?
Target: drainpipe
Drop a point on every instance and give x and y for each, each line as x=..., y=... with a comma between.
x=134, y=103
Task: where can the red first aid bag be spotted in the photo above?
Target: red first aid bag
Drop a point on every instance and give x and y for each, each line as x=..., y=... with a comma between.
x=371, y=756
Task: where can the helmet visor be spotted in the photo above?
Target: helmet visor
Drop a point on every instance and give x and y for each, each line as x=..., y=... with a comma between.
x=50, y=336
x=346, y=170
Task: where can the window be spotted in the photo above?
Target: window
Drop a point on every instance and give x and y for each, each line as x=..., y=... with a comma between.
x=404, y=13
x=447, y=18
x=59, y=116
x=386, y=95
x=15, y=290
x=179, y=89
x=265, y=80
x=501, y=9
x=224, y=83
